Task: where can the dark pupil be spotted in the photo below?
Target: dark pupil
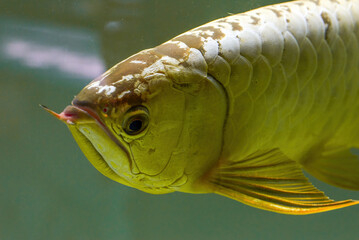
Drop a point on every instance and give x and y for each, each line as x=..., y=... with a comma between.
x=135, y=125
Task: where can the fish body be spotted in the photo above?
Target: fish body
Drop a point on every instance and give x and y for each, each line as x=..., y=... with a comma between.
x=237, y=107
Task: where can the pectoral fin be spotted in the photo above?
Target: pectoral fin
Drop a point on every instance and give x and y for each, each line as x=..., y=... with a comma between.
x=271, y=181
x=336, y=166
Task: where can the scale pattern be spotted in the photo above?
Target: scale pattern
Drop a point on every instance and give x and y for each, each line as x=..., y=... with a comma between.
x=269, y=86
x=290, y=70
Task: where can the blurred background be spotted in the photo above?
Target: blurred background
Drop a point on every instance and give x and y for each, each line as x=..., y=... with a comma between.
x=49, y=50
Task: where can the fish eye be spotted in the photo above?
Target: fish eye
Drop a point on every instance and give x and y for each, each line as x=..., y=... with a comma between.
x=136, y=120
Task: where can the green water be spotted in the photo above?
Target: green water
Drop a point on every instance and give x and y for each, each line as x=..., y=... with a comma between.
x=49, y=49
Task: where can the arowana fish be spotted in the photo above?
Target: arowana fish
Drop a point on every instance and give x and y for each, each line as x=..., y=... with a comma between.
x=238, y=107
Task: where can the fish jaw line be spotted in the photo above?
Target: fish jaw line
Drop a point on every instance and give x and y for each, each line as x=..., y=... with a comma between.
x=95, y=117
x=110, y=160
x=94, y=156
x=82, y=122
x=141, y=179
x=89, y=131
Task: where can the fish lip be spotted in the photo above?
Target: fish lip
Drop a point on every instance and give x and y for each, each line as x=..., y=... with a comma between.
x=93, y=114
x=76, y=132
x=98, y=120
x=90, y=112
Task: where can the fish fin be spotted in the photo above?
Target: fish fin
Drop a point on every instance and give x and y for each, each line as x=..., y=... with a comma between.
x=335, y=166
x=271, y=181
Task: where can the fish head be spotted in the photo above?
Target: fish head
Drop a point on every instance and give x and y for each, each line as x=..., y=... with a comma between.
x=134, y=125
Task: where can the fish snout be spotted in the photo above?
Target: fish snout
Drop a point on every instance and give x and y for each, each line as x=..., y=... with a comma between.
x=72, y=115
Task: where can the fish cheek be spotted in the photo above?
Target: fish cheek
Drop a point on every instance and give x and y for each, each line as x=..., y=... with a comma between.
x=153, y=151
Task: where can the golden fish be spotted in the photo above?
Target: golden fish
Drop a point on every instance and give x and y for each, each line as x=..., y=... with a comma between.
x=236, y=107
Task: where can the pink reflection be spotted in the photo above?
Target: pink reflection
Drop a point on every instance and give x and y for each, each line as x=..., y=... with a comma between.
x=39, y=56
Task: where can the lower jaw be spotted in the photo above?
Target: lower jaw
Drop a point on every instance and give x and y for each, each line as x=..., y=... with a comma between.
x=102, y=166
x=94, y=157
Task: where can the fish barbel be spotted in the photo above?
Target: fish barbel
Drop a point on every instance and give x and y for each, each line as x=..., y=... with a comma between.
x=238, y=107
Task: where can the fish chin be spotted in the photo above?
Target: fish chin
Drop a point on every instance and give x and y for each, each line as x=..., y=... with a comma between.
x=109, y=158
x=85, y=135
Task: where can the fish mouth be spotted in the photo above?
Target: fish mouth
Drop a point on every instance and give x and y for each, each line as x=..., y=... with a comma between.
x=131, y=174
x=77, y=119
x=93, y=114
x=95, y=158
x=76, y=116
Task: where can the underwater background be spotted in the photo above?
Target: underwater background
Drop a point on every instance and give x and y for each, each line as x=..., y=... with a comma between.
x=49, y=50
